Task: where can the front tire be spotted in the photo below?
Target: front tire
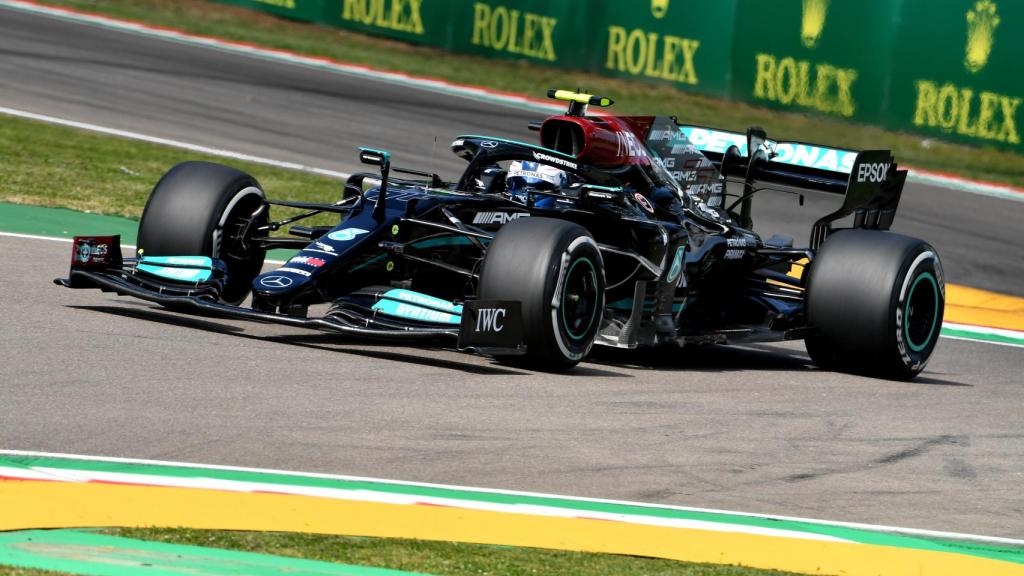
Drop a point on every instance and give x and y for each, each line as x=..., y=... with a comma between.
x=876, y=300
x=555, y=270
x=198, y=209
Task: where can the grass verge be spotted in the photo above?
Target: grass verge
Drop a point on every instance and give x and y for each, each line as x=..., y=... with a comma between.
x=435, y=558
x=209, y=18
x=440, y=558
x=49, y=165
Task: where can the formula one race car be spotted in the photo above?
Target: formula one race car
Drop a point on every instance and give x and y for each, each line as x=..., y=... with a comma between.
x=616, y=231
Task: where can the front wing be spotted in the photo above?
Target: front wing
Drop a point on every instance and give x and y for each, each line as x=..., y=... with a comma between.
x=97, y=263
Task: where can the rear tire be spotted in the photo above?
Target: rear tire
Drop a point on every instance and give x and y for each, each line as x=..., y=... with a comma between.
x=197, y=209
x=555, y=270
x=876, y=300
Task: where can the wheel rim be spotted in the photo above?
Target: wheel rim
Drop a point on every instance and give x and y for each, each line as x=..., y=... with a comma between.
x=921, y=312
x=232, y=235
x=579, y=298
x=241, y=269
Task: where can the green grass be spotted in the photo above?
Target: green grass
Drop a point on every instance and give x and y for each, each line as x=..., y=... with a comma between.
x=208, y=18
x=441, y=558
x=49, y=165
x=437, y=558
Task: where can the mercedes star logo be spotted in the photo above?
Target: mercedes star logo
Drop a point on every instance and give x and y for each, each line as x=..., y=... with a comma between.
x=276, y=281
x=489, y=144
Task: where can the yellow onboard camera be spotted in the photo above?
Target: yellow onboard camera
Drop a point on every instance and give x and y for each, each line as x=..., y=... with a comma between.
x=578, y=101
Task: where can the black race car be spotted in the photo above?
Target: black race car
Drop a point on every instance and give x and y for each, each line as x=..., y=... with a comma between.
x=616, y=231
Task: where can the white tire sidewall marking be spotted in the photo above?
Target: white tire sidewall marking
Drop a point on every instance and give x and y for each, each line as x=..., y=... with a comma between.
x=556, y=298
x=218, y=231
x=902, y=345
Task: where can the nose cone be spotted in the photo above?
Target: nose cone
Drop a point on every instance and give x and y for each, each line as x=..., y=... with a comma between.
x=280, y=281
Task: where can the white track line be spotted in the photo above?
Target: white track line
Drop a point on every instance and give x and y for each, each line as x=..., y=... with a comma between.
x=943, y=181
x=173, y=143
x=79, y=475
x=979, y=340
x=50, y=238
x=985, y=330
x=861, y=526
x=57, y=239
x=964, y=185
x=283, y=56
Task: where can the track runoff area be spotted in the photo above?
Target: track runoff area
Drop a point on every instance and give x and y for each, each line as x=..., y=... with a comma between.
x=50, y=491
x=39, y=490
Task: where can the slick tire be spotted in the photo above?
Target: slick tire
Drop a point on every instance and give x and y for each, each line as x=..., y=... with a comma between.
x=555, y=270
x=876, y=301
x=198, y=209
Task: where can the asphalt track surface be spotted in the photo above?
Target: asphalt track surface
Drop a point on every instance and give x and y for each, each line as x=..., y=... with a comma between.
x=754, y=429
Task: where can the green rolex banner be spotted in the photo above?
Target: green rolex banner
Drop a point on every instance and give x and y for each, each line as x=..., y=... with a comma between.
x=958, y=71
x=950, y=69
x=687, y=44
x=417, y=21
x=538, y=30
x=543, y=31
x=305, y=10
x=831, y=57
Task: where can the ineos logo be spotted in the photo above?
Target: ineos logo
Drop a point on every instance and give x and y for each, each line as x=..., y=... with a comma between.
x=276, y=281
x=627, y=144
x=872, y=172
x=490, y=319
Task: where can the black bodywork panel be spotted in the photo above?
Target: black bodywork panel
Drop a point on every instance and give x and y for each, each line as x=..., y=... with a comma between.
x=681, y=264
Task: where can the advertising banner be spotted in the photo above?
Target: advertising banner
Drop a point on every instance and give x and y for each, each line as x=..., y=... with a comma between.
x=544, y=31
x=826, y=56
x=686, y=44
x=417, y=21
x=305, y=10
x=953, y=69
x=958, y=71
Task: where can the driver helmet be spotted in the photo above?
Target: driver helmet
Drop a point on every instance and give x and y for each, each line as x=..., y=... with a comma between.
x=525, y=177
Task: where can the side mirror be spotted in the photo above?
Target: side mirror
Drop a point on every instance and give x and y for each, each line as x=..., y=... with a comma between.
x=380, y=158
x=374, y=157
x=756, y=137
x=730, y=160
x=757, y=154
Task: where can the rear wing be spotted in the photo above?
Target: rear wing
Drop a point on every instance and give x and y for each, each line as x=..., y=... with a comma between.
x=869, y=179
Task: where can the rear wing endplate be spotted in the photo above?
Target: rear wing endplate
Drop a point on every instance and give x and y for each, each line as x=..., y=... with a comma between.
x=869, y=179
